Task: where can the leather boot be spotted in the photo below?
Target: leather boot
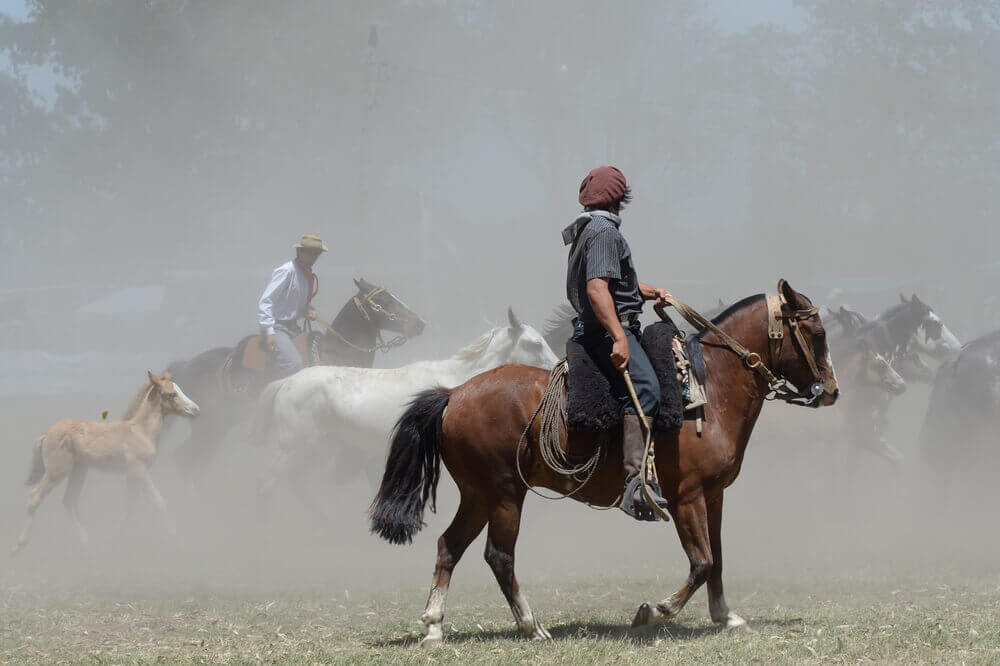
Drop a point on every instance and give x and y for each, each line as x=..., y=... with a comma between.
x=633, y=449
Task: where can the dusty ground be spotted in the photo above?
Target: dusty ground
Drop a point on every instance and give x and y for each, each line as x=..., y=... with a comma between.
x=826, y=566
x=843, y=618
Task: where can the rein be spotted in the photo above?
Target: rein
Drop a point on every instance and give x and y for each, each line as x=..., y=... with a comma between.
x=359, y=303
x=778, y=387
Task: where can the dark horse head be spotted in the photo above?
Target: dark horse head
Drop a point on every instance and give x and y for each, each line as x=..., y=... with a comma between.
x=356, y=332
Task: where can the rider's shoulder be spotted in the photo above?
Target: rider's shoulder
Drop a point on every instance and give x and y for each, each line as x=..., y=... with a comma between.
x=285, y=268
x=602, y=226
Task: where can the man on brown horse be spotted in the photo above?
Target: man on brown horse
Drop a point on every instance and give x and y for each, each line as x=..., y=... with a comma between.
x=286, y=300
x=603, y=288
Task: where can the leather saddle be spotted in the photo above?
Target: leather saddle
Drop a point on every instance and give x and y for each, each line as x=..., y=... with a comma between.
x=255, y=355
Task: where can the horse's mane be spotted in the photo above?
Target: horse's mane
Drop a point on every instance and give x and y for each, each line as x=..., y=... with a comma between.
x=731, y=310
x=476, y=348
x=561, y=316
x=898, y=309
x=140, y=397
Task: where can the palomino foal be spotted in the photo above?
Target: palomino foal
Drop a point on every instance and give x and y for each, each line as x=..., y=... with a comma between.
x=71, y=446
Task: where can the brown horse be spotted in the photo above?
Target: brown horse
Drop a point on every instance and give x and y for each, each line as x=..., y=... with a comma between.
x=71, y=446
x=478, y=439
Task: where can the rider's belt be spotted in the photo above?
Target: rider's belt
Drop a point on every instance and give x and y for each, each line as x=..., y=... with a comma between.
x=290, y=326
x=624, y=319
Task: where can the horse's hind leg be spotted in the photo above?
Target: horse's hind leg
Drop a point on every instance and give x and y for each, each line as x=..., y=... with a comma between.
x=505, y=522
x=691, y=519
x=71, y=500
x=717, y=606
x=465, y=527
x=35, y=497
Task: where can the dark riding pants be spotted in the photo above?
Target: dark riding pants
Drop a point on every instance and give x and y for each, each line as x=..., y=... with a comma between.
x=598, y=344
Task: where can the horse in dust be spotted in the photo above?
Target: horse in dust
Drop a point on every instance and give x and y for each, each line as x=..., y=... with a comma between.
x=129, y=446
x=959, y=433
x=324, y=412
x=476, y=430
x=218, y=382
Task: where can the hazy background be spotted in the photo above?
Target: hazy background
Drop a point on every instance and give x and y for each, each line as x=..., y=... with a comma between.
x=158, y=159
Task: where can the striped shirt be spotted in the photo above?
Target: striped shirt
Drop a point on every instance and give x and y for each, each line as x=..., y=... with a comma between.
x=600, y=251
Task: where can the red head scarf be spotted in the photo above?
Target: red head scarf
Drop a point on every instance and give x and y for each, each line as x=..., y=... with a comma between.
x=602, y=187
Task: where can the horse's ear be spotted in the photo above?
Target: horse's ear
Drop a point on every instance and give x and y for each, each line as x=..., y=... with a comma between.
x=152, y=379
x=515, y=323
x=902, y=299
x=787, y=294
x=166, y=376
x=357, y=283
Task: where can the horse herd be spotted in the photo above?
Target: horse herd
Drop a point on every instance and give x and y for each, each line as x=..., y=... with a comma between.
x=475, y=425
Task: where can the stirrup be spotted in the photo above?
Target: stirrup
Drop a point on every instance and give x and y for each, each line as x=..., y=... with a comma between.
x=640, y=509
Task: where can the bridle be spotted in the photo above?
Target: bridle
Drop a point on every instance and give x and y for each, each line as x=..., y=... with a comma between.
x=366, y=305
x=778, y=387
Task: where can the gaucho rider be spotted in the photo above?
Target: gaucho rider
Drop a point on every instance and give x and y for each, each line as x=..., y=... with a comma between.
x=602, y=287
x=286, y=301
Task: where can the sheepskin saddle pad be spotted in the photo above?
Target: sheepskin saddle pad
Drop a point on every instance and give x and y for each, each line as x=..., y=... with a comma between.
x=590, y=406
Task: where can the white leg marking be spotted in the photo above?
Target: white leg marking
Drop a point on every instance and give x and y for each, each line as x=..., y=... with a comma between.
x=433, y=616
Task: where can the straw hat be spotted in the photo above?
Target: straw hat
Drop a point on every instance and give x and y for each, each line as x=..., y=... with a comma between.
x=311, y=241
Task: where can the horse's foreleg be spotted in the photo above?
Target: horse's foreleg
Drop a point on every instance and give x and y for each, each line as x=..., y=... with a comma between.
x=717, y=606
x=691, y=519
x=141, y=476
x=505, y=522
x=464, y=528
x=71, y=500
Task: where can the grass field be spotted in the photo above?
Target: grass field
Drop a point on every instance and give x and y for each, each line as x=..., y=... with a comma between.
x=852, y=618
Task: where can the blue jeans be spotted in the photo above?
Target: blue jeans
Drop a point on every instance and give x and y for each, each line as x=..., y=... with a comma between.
x=287, y=359
x=598, y=344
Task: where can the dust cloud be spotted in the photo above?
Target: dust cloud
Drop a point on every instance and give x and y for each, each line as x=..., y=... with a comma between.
x=159, y=159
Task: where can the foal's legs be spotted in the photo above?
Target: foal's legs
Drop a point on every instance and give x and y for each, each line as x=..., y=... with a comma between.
x=717, y=605
x=139, y=475
x=35, y=497
x=691, y=519
x=465, y=527
x=71, y=500
x=58, y=460
x=505, y=522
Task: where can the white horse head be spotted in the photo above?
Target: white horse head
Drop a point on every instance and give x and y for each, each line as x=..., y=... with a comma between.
x=515, y=343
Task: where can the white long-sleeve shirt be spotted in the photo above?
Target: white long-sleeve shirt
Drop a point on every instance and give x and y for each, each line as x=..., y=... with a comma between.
x=285, y=297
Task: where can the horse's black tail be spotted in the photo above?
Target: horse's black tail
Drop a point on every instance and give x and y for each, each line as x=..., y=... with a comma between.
x=412, y=469
x=37, y=470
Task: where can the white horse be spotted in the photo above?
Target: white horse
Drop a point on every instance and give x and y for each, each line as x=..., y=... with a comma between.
x=347, y=413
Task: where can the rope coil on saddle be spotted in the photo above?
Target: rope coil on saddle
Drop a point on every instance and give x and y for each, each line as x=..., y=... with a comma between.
x=552, y=426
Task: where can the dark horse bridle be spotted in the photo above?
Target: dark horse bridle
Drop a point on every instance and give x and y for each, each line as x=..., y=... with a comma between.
x=779, y=388
x=366, y=305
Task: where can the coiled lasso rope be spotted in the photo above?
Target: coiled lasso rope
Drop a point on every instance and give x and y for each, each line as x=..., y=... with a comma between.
x=552, y=427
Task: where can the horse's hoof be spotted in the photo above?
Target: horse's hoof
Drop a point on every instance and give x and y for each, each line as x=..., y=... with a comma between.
x=541, y=634
x=434, y=638
x=736, y=623
x=642, y=616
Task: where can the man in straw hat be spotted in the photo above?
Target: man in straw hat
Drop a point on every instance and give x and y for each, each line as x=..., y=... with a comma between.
x=286, y=300
x=603, y=289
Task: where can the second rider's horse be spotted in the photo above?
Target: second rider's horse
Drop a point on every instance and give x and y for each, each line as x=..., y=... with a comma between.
x=476, y=428
x=350, y=340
